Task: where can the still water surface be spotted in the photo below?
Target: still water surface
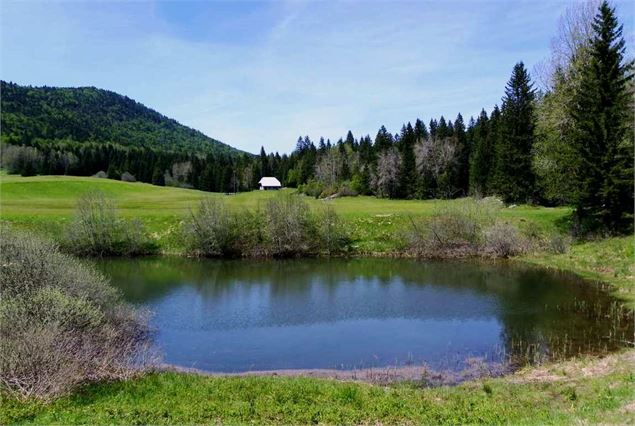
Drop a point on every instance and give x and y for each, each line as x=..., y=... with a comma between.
x=234, y=316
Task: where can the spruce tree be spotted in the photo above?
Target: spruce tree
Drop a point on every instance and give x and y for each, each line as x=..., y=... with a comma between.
x=463, y=156
x=407, y=172
x=421, y=132
x=480, y=160
x=442, y=130
x=513, y=177
x=383, y=140
x=264, y=166
x=603, y=138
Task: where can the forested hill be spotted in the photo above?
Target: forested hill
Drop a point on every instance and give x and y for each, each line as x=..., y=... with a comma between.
x=89, y=114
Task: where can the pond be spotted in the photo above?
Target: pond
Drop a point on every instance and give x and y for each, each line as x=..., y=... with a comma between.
x=237, y=316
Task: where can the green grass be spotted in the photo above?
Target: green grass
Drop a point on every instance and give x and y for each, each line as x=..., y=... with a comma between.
x=46, y=203
x=610, y=260
x=187, y=398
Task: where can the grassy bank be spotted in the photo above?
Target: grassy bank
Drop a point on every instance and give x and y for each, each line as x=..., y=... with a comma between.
x=610, y=260
x=583, y=391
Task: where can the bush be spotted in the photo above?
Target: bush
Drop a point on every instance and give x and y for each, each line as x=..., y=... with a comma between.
x=559, y=244
x=101, y=175
x=286, y=227
x=61, y=324
x=97, y=231
x=127, y=177
x=333, y=235
x=312, y=188
x=503, y=240
x=346, y=190
x=290, y=228
x=214, y=231
x=454, y=231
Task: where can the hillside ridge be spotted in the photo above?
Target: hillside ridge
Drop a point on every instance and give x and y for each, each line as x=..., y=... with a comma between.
x=91, y=114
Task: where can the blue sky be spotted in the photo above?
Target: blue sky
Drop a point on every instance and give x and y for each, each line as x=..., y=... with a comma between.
x=261, y=73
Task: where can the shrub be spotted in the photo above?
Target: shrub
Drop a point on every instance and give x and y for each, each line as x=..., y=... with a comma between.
x=346, y=190
x=97, y=230
x=503, y=240
x=214, y=231
x=333, y=235
x=285, y=227
x=558, y=243
x=290, y=227
x=127, y=177
x=101, y=175
x=453, y=231
x=312, y=188
x=466, y=227
x=61, y=324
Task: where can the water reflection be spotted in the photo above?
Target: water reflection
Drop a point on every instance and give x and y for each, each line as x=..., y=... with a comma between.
x=245, y=315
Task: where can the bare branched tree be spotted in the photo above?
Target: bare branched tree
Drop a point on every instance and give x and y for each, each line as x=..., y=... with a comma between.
x=328, y=168
x=386, y=179
x=435, y=156
x=574, y=33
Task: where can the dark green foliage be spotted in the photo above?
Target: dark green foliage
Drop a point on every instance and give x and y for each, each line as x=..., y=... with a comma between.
x=513, y=178
x=463, y=156
x=383, y=140
x=603, y=137
x=87, y=114
x=407, y=172
x=481, y=158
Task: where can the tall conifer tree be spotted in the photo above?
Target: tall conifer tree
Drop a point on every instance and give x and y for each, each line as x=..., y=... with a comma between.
x=513, y=177
x=480, y=160
x=603, y=138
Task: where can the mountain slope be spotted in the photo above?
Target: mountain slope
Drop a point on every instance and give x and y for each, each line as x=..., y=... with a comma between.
x=90, y=114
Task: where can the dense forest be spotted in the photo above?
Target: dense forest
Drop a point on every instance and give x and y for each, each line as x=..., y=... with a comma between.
x=87, y=114
x=568, y=142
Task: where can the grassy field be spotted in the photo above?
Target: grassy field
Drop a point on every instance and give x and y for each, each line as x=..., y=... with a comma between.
x=587, y=390
x=46, y=203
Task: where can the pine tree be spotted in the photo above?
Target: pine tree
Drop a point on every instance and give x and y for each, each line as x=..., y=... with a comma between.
x=603, y=138
x=463, y=156
x=383, y=140
x=421, y=132
x=350, y=140
x=433, y=128
x=407, y=172
x=322, y=146
x=481, y=158
x=442, y=129
x=264, y=166
x=513, y=177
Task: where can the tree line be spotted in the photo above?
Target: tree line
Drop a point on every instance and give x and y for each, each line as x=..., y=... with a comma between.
x=569, y=142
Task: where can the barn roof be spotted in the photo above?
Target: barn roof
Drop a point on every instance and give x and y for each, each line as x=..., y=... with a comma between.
x=269, y=181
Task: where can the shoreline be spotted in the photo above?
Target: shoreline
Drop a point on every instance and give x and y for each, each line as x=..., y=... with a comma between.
x=476, y=369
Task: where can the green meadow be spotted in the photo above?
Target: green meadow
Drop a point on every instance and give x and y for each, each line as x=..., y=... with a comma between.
x=586, y=390
x=46, y=203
